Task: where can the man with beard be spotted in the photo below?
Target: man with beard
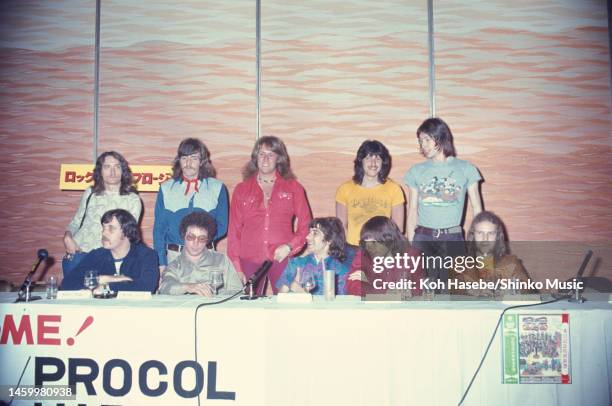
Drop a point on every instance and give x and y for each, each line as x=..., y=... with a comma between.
x=486, y=239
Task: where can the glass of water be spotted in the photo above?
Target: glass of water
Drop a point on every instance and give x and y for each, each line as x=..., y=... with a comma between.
x=91, y=280
x=216, y=280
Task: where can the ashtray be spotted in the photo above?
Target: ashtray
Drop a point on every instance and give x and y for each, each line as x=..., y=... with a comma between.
x=109, y=294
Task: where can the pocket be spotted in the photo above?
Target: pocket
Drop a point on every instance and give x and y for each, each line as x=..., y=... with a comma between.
x=285, y=203
x=251, y=203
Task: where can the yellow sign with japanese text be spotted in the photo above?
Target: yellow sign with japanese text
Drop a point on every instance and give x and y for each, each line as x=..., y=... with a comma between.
x=147, y=178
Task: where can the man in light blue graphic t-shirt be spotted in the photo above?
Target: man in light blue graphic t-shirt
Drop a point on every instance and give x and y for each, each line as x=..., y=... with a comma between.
x=438, y=188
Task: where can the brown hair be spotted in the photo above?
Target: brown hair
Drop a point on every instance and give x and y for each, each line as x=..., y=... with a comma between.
x=190, y=146
x=283, y=164
x=500, y=248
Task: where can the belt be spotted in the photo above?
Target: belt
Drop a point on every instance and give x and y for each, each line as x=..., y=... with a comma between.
x=174, y=247
x=435, y=232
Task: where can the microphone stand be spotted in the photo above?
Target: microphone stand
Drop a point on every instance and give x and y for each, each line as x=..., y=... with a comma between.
x=24, y=292
x=578, y=279
x=577, y=293
x=249, y=288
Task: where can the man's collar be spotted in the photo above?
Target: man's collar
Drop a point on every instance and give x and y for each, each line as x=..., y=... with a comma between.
x=203, y=257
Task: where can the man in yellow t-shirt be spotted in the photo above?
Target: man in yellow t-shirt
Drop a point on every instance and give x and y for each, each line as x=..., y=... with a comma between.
x=370, y=193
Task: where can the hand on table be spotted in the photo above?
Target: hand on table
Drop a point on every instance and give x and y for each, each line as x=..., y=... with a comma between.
x=201, y=289
x=106, y=279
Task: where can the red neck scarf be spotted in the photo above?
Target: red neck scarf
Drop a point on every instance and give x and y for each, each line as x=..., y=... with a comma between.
x=189, y=182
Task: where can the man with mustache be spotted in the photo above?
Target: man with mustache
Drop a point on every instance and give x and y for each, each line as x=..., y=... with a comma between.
x=112, y=189
x=123, y=262
x=370, y=192
x=487, y=239
x=193, y=187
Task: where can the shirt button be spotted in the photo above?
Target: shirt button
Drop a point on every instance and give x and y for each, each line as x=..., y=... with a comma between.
x=265, y=242
x=265, y=228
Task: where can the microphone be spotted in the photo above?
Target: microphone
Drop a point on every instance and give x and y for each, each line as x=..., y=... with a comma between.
x=42, y=254
x=261, y=271
x=24, y=292
x=252, y=281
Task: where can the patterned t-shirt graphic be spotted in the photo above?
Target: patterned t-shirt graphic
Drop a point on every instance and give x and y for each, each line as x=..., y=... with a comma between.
x=364, y=203
x=440, y=191
x=442, y=187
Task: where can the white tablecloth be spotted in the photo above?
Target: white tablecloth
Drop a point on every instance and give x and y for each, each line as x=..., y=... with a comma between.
x=345, y=352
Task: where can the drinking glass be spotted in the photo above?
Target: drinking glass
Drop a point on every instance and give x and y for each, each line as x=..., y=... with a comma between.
x=91, y=280
x=307, y=280
x=216, y=280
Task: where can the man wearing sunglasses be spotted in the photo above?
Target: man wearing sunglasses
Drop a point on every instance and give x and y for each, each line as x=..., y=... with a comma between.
x=192, y=272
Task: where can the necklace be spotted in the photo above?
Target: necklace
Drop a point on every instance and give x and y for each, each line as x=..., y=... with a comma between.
x=261, y=180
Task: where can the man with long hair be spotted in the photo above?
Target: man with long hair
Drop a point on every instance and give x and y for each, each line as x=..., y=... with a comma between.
x=326, y=246
x=438, y=188
x=265, y=206
x=370, y=193
x=486, y=239
x=112, y=189
x=123, y=262
x=193, y=187
x=380, y=239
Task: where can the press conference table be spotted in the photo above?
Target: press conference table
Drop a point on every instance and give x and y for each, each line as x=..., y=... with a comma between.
x=345, y=352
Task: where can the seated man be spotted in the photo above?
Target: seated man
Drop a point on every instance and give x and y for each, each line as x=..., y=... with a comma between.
x=191, y=271
x=486, y=239
x=380, y=238
x=123, y=262
x=325, y=251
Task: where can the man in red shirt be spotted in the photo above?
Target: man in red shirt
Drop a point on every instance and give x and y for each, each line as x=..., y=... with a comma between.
x=262, y=212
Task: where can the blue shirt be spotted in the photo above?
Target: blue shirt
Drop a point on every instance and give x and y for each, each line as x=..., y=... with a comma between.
x=442, y=187
x=172, y=205
x=309, y=263
x=140, y=264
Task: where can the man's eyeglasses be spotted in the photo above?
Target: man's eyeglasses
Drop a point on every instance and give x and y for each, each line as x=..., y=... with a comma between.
x=200, y=238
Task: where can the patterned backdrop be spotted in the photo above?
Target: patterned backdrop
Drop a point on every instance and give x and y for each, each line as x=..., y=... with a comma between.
x=523, y=84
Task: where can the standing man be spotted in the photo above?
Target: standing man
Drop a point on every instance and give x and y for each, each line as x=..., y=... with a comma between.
x=263, y=211
x=123, y=262
x=370, y=193
x=438, y=188
x=191, y=271
x=112, y=189
x=192, y=188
